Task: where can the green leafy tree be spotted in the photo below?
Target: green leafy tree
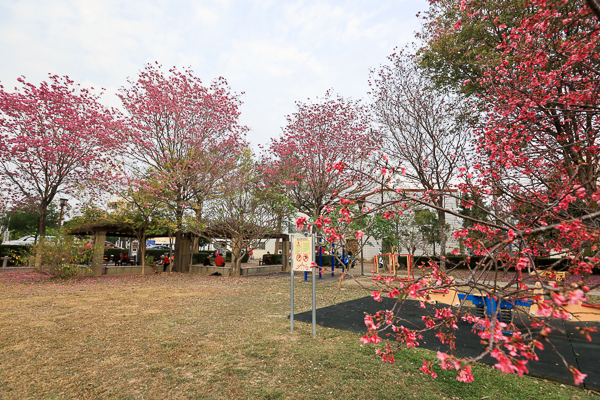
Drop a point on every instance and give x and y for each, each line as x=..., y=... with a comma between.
x=25, y=220
x=245, y=211
x=428, y=224
x=458, y=49
x=139, y=211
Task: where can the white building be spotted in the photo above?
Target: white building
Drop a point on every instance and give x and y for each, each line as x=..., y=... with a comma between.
x=373, y=247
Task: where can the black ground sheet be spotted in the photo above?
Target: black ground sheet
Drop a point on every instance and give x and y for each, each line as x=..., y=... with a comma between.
x=573, y=346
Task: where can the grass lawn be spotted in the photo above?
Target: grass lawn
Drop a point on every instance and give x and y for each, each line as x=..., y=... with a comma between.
x=174, y=336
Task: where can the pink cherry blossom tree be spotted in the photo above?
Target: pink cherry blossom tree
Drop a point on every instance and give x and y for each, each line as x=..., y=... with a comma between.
x=319, y=139
x=537, y=165
x=56, y=139
x=183, y=133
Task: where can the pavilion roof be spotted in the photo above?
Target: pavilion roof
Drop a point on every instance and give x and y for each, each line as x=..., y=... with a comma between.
x=216, y=231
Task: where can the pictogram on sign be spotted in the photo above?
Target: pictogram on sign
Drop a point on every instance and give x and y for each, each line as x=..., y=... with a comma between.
x=303, y=257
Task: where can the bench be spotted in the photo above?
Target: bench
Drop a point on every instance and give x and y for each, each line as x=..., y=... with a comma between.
x=267, y=259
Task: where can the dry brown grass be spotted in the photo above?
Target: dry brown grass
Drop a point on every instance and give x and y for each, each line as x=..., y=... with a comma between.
x=179, y=336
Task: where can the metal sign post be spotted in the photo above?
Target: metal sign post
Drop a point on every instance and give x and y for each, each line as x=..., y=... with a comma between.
x=292, y=300
x=302, y=260
x=314, y=292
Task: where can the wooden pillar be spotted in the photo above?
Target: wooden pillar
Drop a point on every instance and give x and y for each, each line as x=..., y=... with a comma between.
x=277, y=247
x=285, y=253
x=98, y=256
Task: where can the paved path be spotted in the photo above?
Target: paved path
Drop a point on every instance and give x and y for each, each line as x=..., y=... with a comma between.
x=573, y=346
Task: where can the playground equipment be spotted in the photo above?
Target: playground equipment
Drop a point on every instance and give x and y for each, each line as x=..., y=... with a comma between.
x=486, y=306
x=583, y=312
x=393, y=264
x=347, y=262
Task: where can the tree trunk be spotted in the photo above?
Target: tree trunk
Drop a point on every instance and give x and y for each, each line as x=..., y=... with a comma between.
x=194, y=249
x=171, y=255
x=236, y=256
x=285, y=254
x=177, y=264
x=142, y=251
x=42, y=210
x=442, y=228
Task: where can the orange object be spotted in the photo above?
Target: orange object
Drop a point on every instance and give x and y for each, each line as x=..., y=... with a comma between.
x=393, y=258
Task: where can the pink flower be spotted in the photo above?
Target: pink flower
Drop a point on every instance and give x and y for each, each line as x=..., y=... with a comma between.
x=576, y=297
x=511, y=234
x=577, y=376
x=376, y=295
x=465, y=375
x=359, y=235
x=426, y=369
x=300, y=223
x=370, y=338
x=445, y=364
x=522, y=263
x=369, y=323
x=414, y=290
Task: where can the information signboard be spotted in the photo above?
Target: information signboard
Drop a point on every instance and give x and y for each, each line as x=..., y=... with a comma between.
x=302, y=255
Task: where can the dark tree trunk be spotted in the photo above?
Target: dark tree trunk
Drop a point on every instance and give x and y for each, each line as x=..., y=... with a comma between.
x=194, y=249
x=179, y=262
x=442, y=230
x=42, y=210
x=142, y=252
x=595, y=7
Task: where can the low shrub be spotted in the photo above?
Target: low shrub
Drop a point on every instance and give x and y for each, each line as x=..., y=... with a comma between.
x=199, y=257
x=19, y=254
x=61, y=258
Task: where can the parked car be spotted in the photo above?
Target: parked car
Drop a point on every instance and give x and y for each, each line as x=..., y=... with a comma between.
x=157, y=247
x=25, y=241
x=107, y=245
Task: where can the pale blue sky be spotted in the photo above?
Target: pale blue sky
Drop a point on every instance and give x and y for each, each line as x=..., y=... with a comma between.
x=277, y=52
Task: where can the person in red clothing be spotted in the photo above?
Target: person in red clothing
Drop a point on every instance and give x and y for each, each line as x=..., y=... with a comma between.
x=124, y=259
x=220, y=261
x=166, y=262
